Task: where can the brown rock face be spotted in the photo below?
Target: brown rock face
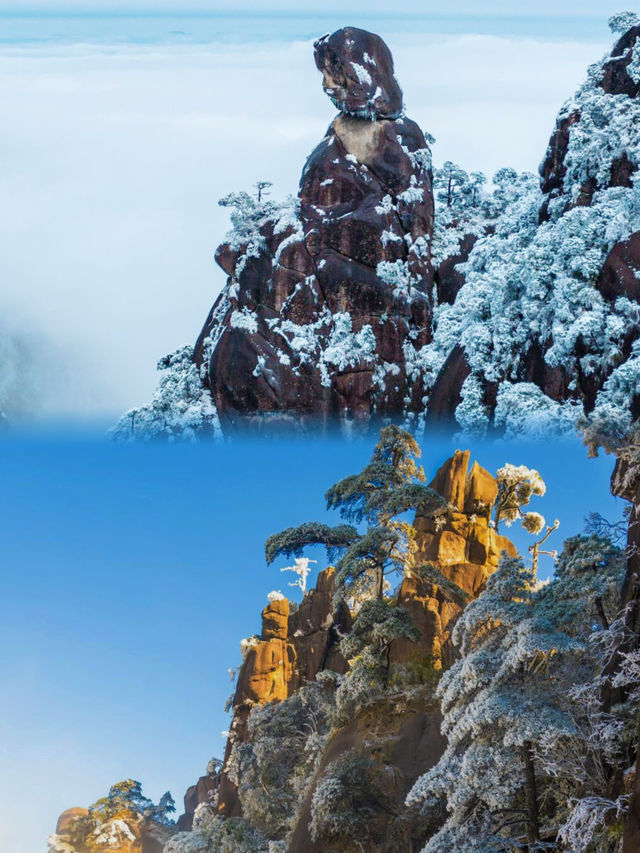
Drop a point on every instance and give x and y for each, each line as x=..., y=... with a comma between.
x=616, y=80
x=462, y=546
x=292, y=649
x=321, y=303
x=268, y=672
x=275, y=620
x=481, y=490
x=553, y=168
x=446, y=394
x=357, y=71
x=447, y=278
x=406, y=742
x=620, y=275
x=451, y=478
x=203, y=791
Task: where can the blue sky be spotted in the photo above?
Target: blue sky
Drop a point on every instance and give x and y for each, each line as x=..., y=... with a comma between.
x=130, y=576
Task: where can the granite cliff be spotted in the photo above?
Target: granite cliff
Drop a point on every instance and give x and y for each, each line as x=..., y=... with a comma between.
x=298, y=654
x=414, y=718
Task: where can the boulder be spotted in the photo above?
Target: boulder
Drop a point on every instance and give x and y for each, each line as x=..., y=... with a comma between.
x=357, y=74
x=68, y=817
x=275, y=620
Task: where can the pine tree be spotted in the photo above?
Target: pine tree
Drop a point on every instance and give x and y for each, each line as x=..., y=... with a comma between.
x=498, y=702
x=517, y=484
x=522, y=709
x=125, y=799
x=389, y=486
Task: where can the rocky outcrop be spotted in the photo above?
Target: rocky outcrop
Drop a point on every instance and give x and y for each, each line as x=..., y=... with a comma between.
x=462, y=545
x=269, y=670
x=515, y=311
x=448, y=277
x=315, y=314
x=204, y=791
x=76, y=833
x=357, y=74
x=402, y=738
x=325, y=292
x=620, y=275
x=293, y=646
x=617, y=79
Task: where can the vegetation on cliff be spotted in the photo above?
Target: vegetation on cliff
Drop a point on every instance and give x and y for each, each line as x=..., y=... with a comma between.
x=533, y=754
x=419, y=294
x=125, y=820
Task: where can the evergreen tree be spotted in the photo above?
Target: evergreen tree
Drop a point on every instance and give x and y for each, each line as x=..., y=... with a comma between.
x=456, y=189
x=522, y=713
x=389, y=486
x=517, y=484
x=125, y=799
x=497, y=703
x=368, y=645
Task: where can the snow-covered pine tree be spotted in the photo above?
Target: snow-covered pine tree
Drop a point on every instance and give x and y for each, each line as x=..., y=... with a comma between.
x=519, y=710
x=585, y=767
x=497, y=702
x=125, y=815
x=517, y=484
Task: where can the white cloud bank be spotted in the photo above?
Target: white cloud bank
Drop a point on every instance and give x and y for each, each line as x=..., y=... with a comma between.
x=112, y=161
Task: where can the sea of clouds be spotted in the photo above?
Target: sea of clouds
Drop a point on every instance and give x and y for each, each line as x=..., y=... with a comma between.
x=113, y=158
